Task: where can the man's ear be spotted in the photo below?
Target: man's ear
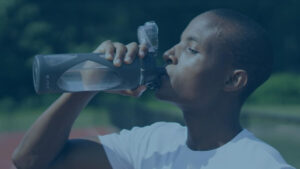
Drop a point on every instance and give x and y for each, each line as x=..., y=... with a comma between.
x=236, y=80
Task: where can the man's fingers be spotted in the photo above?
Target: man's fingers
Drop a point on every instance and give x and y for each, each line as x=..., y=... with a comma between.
x=143, y=50
x=99, y=49
x=132, y=49
x=120, y=53
x=109, y=50
x=102, y=47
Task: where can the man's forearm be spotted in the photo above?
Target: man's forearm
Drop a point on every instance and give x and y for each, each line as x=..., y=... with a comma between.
x=47, y=136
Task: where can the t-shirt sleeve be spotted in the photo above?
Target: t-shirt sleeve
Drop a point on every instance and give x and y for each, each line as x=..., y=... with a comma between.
x=123, y=149
x=266, y=156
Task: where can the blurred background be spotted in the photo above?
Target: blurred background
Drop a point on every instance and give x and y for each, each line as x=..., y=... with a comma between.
x=35, y=27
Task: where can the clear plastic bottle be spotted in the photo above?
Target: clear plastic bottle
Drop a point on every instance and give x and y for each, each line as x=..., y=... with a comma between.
x=92, y=72
x=88, y=76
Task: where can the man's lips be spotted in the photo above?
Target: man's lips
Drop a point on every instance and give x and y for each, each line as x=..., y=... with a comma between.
x=164, y=76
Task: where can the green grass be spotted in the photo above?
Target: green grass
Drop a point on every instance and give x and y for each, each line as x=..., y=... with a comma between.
x=289, y=110
x=280, y=89
x=21, y=120
x=163, y=106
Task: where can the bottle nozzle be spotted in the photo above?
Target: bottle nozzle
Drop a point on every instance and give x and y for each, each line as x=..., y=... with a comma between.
x=148, y=34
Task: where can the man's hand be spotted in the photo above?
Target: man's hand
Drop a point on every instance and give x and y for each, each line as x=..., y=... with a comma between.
x=46, y=143
x=120, y=54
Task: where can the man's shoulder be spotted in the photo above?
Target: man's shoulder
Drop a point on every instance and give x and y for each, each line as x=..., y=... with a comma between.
x=161, y=131
x=156, y=132
x=163, y=124
x=251, y=143
x=159, y=128
x=167, y=126
x=251, y=148
x=143, y=142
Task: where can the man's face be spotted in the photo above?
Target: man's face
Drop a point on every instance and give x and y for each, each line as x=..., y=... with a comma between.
x=196, y=72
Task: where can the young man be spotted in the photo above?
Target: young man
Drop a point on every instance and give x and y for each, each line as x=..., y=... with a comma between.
x=222, y=57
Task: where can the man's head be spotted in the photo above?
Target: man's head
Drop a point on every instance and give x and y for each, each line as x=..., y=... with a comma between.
x=221, y=54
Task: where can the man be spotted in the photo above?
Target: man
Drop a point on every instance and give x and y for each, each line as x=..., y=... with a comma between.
x=222, y=57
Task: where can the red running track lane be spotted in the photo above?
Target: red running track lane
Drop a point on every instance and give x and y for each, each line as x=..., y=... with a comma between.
x=8, y=142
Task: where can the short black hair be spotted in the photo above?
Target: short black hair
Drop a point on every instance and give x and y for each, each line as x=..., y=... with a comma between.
x=249, y=45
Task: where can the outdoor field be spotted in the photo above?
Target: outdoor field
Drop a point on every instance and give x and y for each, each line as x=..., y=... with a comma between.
x=277, y=125
x=37, y=27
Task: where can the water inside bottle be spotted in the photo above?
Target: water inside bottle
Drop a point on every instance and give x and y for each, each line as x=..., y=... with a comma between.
x=88, y=76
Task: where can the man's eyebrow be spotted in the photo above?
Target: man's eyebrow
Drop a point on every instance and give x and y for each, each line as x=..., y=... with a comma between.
x=189, y=38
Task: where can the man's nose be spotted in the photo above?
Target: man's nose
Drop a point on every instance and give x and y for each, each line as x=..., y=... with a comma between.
x=170, y=56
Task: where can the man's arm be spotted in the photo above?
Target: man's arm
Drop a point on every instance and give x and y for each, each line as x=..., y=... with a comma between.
x=46, y=143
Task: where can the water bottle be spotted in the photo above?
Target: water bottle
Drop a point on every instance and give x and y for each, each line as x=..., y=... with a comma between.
x=57, y=73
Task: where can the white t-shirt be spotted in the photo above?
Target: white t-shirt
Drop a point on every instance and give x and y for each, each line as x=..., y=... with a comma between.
x=163, y=146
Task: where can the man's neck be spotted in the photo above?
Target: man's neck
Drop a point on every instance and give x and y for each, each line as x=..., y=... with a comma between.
x=210, y=128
